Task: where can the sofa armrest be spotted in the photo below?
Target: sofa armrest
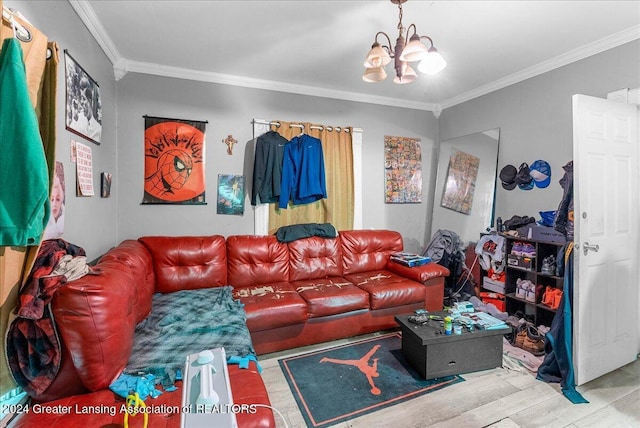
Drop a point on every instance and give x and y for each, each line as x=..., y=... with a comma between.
x=418, y=273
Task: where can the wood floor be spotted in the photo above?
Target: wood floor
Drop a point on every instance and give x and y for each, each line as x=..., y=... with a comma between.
x=492, y=398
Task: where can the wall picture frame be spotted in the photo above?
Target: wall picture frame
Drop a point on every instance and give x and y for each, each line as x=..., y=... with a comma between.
x=230, y=194
x=402, y=170
x=460, y=184
x=83, y=105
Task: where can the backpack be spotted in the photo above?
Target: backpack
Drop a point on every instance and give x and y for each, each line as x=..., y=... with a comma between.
x=445, y=249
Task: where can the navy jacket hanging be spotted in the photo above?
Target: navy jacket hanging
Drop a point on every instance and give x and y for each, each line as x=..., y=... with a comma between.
x=303, y=177
x=267, y=168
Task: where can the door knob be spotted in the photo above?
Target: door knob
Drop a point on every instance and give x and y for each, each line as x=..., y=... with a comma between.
x=586, y=247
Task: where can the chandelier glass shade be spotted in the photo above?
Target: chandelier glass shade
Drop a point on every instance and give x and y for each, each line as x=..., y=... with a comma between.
x=431, y=62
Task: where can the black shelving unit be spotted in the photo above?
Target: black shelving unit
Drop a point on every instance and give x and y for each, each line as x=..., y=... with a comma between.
x=534, y=309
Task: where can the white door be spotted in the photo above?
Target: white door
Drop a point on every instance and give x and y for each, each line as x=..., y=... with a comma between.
x=606, y=187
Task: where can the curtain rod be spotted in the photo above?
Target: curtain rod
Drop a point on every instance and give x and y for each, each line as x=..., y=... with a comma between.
x=19, y=31
x=301, y=126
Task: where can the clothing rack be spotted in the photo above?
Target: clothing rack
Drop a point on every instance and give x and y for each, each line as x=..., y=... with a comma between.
x=19, y=31
x=301, y=126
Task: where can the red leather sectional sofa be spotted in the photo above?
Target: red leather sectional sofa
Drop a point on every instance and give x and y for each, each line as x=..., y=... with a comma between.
x=307, y=291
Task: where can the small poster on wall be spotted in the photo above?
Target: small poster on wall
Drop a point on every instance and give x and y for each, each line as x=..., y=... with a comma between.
x=230, y=194
x=105, y=185
x=55, y=226
x=403, y=170
x=84, y=170
x=461, y=182
x=174, y=161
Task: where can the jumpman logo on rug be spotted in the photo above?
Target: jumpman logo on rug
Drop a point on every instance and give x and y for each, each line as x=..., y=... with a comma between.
x=370, y=371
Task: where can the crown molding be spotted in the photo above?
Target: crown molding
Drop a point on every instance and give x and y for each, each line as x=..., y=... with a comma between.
x=585, y=51
x=122, y=66
x=270, y=85
x=89, y=18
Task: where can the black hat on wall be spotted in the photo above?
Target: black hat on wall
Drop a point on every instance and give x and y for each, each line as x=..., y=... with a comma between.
x=524, y=178
x=508, y=177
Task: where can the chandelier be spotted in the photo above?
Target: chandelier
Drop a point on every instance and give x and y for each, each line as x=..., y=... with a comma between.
x=431, y=62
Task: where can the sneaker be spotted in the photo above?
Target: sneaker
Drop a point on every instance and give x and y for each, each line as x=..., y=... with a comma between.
x=516, y=248
x=524, y=287
x=528, y=250
x=521, y=291
x=518, y=342
x=531, y=294
x=533, y=341
x=548, y=265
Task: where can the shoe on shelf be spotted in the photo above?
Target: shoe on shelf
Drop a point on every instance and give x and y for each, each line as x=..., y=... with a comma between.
x=548, y=265
x=531, y=294
x=524, y=288
x=528, y=250
x=521, y=290
x=516, y=248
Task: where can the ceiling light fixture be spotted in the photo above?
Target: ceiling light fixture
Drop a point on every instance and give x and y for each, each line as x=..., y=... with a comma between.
x=431, y=62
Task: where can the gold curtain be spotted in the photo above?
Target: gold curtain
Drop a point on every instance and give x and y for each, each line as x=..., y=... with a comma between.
x=41, y=65
x=337, y=209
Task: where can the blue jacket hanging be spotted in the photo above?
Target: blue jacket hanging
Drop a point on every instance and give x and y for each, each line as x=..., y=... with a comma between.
x=303, y=177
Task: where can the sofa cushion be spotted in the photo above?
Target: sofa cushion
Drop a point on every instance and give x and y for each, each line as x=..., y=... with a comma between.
x=256, y=260
x=271, y=305
x=187, y=262
x=368, y=250
x=135, y=255
x=330, y=296
x=315, y=257
x=95, y=317
x=387, y=290
x=103, y=408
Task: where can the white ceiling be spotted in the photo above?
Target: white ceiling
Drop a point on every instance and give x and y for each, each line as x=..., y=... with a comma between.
x=317, y=47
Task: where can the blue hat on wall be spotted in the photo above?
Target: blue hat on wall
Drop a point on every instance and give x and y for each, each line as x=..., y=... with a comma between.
x=540, y=171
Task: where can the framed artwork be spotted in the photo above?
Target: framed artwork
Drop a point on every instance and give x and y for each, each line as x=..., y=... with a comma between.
x=402, y=170
x=105, y=185
x=461, y=182
x=174, y=161
x=230, y=194
x=83, y=104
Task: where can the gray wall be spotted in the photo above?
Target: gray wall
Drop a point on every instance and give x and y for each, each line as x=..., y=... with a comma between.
x=97, y=224
x=230, y=110
x=90, y=222
x=534, y=117
x=535, y=120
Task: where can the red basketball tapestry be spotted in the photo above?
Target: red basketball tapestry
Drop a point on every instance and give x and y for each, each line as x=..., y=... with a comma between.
x=173, y=161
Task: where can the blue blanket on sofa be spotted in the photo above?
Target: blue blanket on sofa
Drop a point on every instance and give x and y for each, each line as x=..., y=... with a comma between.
x=187, y=322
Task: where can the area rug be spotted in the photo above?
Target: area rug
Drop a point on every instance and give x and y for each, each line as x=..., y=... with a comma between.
x=341, y=383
